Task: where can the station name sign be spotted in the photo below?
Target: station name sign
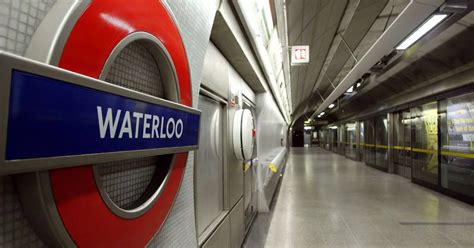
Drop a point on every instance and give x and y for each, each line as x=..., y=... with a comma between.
x=54, y=118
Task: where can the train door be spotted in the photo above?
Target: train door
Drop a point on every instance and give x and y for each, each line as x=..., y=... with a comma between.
x=402, y=143
x=250, y=174
x=361, y=141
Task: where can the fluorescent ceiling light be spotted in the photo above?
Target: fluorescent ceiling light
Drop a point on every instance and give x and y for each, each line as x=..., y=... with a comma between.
x=425, y=28
x=308, y=128
x=333, y=127
x=350, y=90
x=358, y=85
x=331, y=106
x=322, y=113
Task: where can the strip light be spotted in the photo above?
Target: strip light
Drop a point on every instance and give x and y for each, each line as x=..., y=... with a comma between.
x=350, y=90
x=425, y=28
x=331, y=106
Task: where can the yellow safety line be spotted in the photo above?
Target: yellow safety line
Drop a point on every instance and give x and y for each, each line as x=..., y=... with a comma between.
x=427, y=151
x=421, y=150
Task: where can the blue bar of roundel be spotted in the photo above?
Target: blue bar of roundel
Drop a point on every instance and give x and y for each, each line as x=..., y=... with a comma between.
x=50, y=118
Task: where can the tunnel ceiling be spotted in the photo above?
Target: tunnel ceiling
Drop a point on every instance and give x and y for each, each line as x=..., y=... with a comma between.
x=321, y=24
x=447, y=53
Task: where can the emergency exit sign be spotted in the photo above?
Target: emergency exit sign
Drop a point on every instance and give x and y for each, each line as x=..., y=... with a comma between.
x=299, y=55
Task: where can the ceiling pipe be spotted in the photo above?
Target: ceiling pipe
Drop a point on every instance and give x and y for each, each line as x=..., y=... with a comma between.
x=409, y=19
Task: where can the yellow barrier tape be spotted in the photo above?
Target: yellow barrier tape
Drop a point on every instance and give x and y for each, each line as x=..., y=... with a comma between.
x=246, y=167
x=420, y=150
x=428, y=151
x=402, y=148
x=273, y=167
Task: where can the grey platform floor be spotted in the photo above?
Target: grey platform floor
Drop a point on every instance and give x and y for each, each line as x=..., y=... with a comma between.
x=327, y=200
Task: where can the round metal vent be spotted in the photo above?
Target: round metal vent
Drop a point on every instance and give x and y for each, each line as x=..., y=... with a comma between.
x=129, y=184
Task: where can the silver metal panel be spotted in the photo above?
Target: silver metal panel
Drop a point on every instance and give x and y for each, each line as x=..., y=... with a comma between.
x=221, y=237
x=215, y=72
x=237, y=225
x=254, y=190
x=271, y=138
x=271, y=127
x=248, y=93
x=250, y=179
x=247, y=183
x=229, y=37
x=209, y=165
x=234, y=172
x=194, y=20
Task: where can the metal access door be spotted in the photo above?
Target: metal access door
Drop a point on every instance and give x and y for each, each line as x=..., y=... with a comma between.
x=250, y=177
x=209, y=164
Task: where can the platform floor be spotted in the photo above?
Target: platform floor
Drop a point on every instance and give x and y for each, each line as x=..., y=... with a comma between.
x=327, y=200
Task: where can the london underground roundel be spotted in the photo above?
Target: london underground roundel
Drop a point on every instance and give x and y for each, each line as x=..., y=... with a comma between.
x=102, y=29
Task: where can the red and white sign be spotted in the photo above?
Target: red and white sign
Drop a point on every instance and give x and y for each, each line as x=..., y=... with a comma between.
x=299, y=55
x=85, y=216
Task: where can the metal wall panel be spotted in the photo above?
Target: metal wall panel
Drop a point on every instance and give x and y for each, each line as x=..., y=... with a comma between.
x=248, y=93
x=209, y=161
x=194, y=20
x=271, y=127
x=216, y=69
x=234, y=166
x=271, y=139
x=221, y=237
x=237, y=225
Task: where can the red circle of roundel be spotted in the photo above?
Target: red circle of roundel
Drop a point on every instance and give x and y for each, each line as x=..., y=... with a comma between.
x=101, y=27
